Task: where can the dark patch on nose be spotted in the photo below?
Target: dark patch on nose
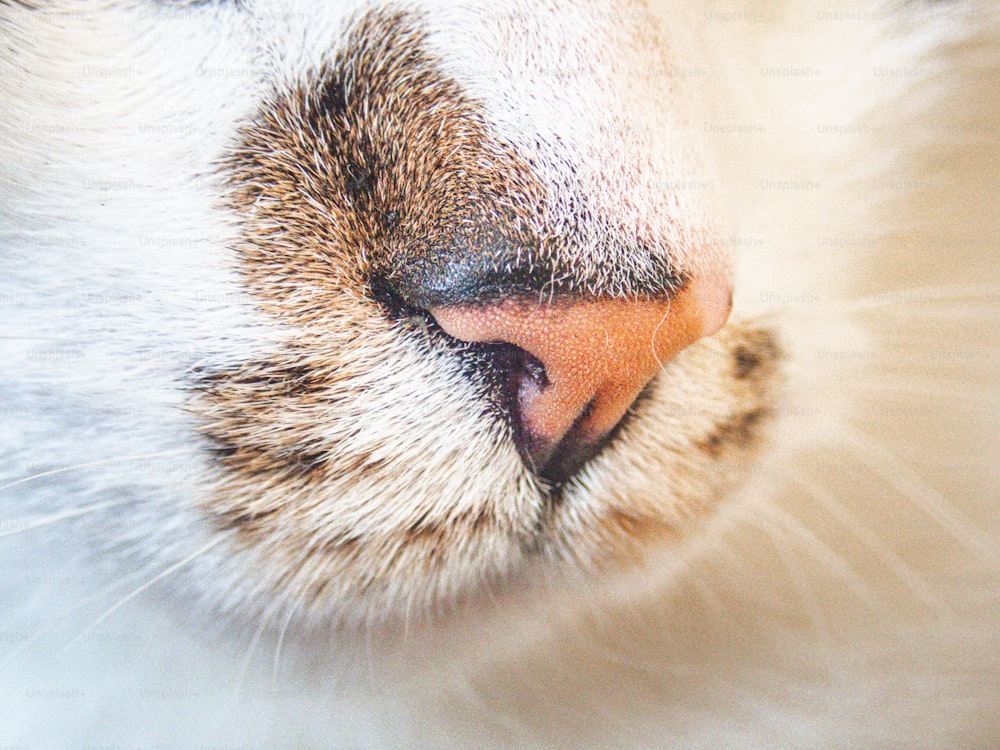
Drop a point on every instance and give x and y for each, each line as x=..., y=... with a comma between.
x=473, y=267
x=381, y=164
x=483, y=265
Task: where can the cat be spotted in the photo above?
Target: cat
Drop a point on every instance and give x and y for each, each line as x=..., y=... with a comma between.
x=430, y=374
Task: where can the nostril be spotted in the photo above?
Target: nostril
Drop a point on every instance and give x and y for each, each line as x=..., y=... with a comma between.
x=510, y=375
x=534, y=370
x=529, y=381
x=524, y=379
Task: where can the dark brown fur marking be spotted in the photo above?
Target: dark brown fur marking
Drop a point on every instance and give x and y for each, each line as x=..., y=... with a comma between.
x=739, y=432
x=757, y=348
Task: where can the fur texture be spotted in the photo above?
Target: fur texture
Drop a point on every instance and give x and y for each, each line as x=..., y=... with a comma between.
x=248, y=485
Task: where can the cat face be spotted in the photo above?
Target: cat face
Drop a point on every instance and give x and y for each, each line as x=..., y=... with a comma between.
x=466, y=259
x=371, y=457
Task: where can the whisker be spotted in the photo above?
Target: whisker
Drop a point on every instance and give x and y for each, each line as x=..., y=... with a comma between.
x=714, y=552
x=706, y=594
x=20, y=525
x=926, y=346
x=820, y=551
x=86, y=601
x=952, y=312
x=152, y=581
x=779, y=532
x=912, y=296
x=909, y=484
x=265, y=619
x=882, y=551
x=279, y=646
x=917, y=386
x=493, y=711
x=102, y=461
x=32, y=338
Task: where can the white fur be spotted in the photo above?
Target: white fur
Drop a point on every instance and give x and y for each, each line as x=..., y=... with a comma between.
x=846, y=597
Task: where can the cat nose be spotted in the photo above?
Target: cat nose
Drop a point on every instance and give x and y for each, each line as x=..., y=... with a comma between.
x=587, y=360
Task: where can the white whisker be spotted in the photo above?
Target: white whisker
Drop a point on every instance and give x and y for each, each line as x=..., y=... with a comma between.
x=265, y=620
x=926, y=347
x=75, y=467
x=282, y=632
x=53, y=624
x=882, y=551
x=706, y=594
x=822, y=552
x=21, y=525
x=913, y=296
x=784, y=528
x=908, y=387
x=952, y=312
x=910, y=485
x=31, y=338
x=152, y=581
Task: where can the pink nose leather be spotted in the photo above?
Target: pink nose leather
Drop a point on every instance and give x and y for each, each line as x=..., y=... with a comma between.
x=598, y=354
